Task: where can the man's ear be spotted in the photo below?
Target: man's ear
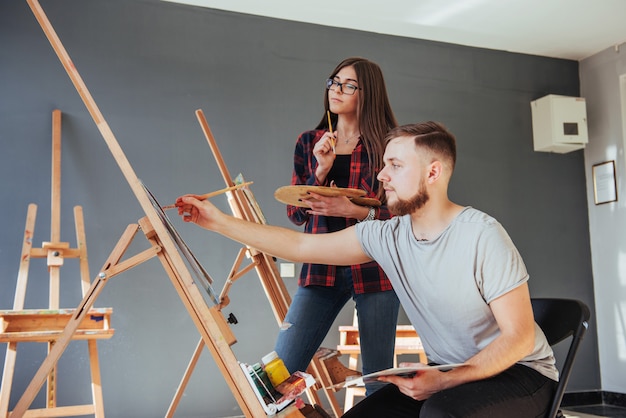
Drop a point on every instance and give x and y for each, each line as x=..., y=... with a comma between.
x=435, y=171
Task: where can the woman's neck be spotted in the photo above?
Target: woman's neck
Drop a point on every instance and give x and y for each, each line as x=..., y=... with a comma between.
x=347, y=131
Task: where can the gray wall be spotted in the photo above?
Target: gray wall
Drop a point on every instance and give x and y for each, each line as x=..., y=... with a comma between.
x=260, y=83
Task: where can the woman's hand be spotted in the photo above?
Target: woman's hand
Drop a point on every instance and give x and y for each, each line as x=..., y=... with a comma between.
x=325, y=154
x=339, y=206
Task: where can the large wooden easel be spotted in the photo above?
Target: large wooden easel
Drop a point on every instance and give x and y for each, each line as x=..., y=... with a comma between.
x=209, y=321
x=44, y=326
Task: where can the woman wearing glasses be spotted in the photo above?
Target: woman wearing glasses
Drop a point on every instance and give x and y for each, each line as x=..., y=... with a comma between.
x=348, y=154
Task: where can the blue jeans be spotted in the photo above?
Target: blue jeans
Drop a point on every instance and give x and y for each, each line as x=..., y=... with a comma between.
x=313, y=311
x=518, y=392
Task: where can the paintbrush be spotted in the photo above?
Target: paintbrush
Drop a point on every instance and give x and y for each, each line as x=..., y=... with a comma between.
x=330, y=129
x=215, y=193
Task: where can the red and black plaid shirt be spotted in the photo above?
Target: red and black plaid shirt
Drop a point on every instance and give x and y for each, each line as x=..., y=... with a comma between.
x=368, y=277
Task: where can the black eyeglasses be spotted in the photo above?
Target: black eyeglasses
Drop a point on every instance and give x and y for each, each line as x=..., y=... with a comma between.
x=346, y=88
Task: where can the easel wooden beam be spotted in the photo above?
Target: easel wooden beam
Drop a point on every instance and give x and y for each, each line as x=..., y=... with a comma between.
x=55, y=220
x=266, y=267
x=55, y=247
x=18, y=305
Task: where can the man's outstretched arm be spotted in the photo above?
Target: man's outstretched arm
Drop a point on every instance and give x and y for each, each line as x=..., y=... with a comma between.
x=338, y=248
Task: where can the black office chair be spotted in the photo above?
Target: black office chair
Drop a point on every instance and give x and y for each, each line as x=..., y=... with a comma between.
x=560, y=319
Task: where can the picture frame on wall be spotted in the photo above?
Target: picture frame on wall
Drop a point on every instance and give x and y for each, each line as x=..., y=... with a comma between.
x=604, y=182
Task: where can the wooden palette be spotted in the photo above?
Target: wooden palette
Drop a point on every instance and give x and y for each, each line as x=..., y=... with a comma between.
x=297, y=195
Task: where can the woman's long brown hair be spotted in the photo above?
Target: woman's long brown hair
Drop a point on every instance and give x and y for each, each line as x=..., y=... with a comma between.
x=374, y=112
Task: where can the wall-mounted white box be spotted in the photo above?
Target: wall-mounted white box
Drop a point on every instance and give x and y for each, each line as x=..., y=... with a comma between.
x=559, y=123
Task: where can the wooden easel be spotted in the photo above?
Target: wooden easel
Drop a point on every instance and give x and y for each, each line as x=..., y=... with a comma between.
x=407, y=342
x=244, y=206
x=210, y=322
x=44, y=326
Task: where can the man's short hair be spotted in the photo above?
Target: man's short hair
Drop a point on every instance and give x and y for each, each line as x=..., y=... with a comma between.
x=433, y=136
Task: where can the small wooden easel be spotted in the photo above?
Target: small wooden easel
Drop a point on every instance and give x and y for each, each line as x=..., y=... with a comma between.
x=45, y=326
x=244, y=206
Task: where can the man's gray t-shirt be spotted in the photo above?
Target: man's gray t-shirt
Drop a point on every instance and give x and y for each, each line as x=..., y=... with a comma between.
x=446, y=284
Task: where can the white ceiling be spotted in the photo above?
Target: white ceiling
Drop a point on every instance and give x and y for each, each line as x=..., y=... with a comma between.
x=570, y=29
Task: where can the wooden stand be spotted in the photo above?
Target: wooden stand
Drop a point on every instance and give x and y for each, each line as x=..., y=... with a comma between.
x=407, y=342
x=244, y=206
x=46, y=326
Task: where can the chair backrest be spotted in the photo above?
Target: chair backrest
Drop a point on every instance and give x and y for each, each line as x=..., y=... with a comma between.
x=560, y=319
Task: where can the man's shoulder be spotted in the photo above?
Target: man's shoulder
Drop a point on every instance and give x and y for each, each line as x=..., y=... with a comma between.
x=475, y=216
x=384, y=226
x=474, y=222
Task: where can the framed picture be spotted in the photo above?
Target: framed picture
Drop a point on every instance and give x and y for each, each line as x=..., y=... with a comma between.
x=604, y=183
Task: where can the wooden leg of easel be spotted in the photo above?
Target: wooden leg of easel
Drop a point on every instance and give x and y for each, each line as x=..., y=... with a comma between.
x=311, y=392
x=7, y=378
x=319, y=372
x=81, y=244
x=18, y=304
x=27, y=245
x=351, y=393
x=185, y=379
x=267, y=271
x=96, y=383
x=274, y=286
x=55, y=260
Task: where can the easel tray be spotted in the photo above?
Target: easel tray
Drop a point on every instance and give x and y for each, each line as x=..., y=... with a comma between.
x=37, y=325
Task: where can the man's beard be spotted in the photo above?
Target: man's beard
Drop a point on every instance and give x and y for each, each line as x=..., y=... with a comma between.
x=417, y=201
